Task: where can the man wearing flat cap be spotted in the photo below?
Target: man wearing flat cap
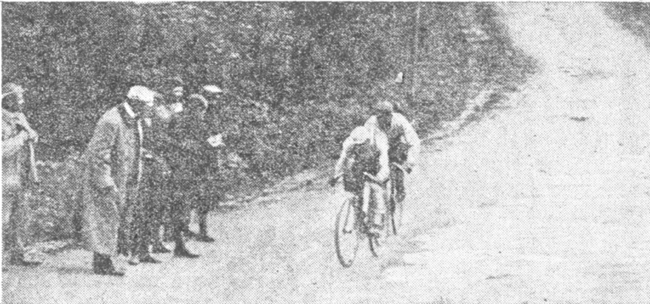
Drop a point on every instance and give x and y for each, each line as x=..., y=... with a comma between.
x=18, y=171
x=190, y=168
x=112, y=172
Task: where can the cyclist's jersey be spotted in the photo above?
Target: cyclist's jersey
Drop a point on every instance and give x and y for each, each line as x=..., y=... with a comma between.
x=400, y=133
x=370, y=157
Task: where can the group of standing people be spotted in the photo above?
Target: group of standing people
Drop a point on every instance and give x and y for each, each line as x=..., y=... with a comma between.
x=153, y=157
x=151, y=160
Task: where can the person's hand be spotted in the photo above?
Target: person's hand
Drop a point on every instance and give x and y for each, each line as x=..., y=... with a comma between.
x=333, y=181
x=24, y=126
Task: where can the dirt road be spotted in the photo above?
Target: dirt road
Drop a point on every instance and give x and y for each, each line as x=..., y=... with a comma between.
x=544, y=201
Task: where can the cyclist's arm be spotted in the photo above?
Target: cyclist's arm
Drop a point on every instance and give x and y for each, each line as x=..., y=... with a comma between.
x=338, y=169
x=384, y=165
x=411, y=138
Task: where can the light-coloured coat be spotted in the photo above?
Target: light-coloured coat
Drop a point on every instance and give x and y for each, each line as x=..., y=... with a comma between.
x=18, y=172
x=17, y=157
x=112, y=160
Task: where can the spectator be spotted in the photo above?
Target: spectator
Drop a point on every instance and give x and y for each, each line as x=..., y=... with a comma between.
x=112, y=172
x=18, y=171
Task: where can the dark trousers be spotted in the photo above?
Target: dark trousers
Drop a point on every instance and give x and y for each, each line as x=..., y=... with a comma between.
x=150, y=213
x=179, y=209
x=398, y=154
x=13, y=222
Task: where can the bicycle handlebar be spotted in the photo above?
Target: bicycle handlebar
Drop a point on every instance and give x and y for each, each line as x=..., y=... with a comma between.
x=371, y=177
x=398, y=166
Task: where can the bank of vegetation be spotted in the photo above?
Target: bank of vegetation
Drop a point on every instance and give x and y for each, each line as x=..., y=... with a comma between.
x=299, y=76
x=634, y=17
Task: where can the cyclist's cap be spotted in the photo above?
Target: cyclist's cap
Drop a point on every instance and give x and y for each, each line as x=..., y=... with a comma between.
x=212, y=89
x=383, y=107
x=360, y=135
x=177, y=91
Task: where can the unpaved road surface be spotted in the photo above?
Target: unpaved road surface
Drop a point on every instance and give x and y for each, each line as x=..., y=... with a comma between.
x=544, y=201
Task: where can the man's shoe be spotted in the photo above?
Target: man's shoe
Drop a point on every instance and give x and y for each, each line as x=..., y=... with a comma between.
x=106, y=267
x=19, y=260
x=191, y=234
x=133, y=260
x=26, y=263
x=204, y=238
x=114, y=272
x=149, y=259
x=159, y=248
x=184, y=253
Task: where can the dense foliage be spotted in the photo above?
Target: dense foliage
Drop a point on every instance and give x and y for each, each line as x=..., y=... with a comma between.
x=300, y=75
x=634, y=17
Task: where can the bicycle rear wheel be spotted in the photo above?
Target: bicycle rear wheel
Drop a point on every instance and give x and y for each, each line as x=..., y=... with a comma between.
x=346, y=233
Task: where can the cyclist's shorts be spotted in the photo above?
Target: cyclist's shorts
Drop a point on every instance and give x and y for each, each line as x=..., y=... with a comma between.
x=398, y=152
x=353, y=182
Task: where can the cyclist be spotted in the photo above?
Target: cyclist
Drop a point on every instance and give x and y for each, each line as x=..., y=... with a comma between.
x=365, y=151
x=404, y=143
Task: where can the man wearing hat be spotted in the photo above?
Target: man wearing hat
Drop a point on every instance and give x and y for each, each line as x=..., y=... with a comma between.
x=18, y=171
x=402, y=138
x=365, y=151
x=188, y=167
x=209, y=199
x=112, y=171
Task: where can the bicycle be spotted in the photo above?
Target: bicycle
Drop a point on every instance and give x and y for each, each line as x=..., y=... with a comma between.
x=352, y=220
x=394, y=206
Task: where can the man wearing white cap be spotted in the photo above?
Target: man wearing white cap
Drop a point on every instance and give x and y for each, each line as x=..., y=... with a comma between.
x=403, y=141
x=112, y=171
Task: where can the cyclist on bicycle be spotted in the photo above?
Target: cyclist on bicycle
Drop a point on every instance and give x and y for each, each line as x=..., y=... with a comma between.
x=404, y=143
x=365, y=151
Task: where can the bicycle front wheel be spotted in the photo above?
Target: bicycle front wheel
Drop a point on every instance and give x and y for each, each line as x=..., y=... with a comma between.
x=395, y=210
x=377, y=243
x=346, y=236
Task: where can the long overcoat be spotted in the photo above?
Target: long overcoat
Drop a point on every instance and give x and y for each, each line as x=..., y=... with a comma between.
x=112, y=160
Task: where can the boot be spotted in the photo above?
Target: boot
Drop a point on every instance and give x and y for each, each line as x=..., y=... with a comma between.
x=203, y=233
x=103, y=265
x=134, y=260
x=159, y=247
x=182, y=252
x=19, y=260
x=147, y=258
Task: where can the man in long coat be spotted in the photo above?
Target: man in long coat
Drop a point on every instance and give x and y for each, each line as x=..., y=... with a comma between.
x=113, y=169
x=18, y=171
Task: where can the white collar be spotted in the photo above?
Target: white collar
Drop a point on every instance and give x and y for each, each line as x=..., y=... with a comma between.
x=129, y=110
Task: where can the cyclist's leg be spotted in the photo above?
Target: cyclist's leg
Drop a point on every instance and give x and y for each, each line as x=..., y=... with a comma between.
x=398, y=154
x=400, y=191
x=377, y=196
